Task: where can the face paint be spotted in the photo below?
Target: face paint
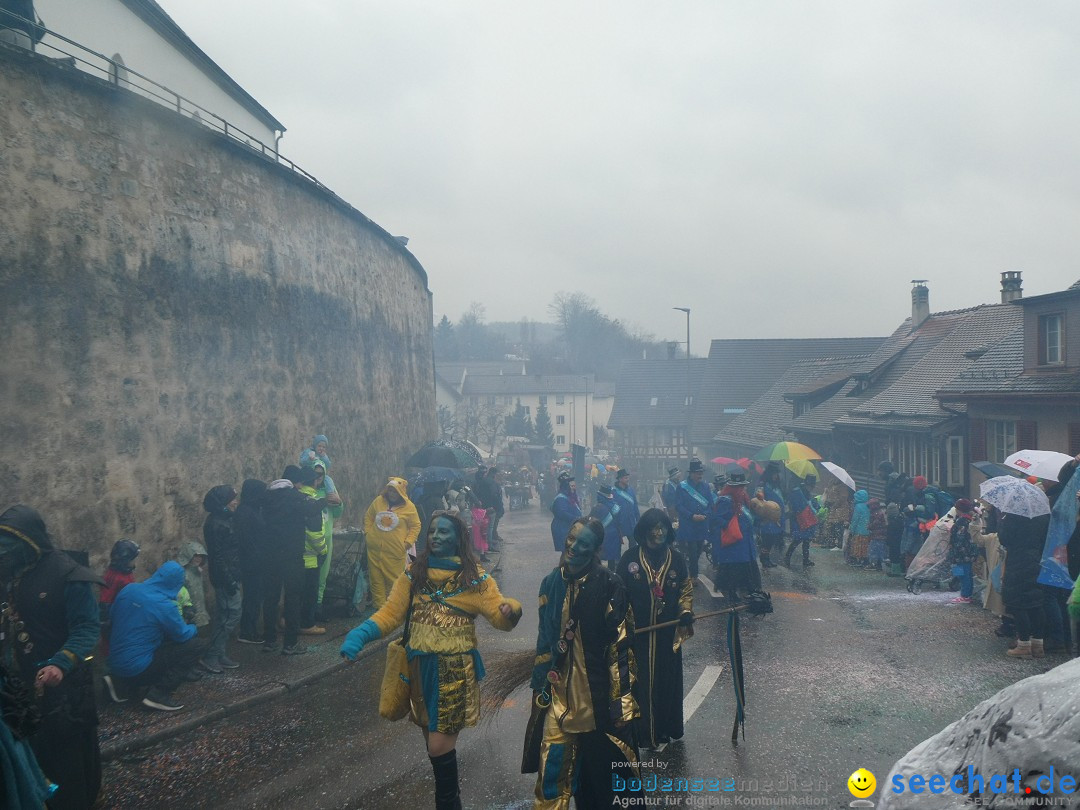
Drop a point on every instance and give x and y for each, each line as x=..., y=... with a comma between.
x=581, y=547
x=442, y=538
x=657, y=536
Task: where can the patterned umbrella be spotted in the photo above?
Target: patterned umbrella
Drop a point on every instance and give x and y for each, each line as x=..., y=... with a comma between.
x=1014, y=496
x=786, y=451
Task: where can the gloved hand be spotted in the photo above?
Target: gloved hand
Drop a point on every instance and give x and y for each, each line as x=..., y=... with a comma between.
x=358, y=637
x=686, y=620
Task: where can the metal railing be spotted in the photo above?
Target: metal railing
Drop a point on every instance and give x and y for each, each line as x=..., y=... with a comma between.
x=68, y=52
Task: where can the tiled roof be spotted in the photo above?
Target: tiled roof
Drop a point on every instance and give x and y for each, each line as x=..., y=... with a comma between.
x=765, y=420
x=510, y=384
x=640, y=381
x=1001, y=371
x=738, y=372
x=905, y=395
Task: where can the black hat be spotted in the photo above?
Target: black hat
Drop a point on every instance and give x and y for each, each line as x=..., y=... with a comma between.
x=605, y=490
x=672, y=471
x=737, y=478
x=292, y=473
x=622, y=473
x=696, y=465
x=565, y=476
x=720, y=481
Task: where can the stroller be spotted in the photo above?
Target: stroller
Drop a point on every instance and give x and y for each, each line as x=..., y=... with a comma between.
x=347, y=583
x=931, y=565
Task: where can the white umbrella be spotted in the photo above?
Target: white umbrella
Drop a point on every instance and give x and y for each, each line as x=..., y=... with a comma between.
x=1040, y=463
x=1014, y=496
x=840, y=473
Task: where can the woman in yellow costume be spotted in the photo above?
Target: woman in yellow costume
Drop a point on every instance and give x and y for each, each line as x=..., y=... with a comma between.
x=391, y=526
x=440, y=595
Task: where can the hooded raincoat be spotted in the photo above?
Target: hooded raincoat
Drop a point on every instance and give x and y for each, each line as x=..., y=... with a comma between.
x=390, y=531
x=145, y=616
x=194, y=581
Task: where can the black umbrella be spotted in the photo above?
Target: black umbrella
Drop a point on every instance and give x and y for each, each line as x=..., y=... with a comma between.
x=436, y=455
x=468, y=448
x=430, y=474
x=992, y=470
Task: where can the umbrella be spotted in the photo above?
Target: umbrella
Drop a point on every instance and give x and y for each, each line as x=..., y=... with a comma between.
x=1044, y=464
x=840, y=473
x=801, y=467
x=439, y=454
x=991, y=469
x=1014, y=496
x=745, y=463
x=430, y=474
x=786, y=451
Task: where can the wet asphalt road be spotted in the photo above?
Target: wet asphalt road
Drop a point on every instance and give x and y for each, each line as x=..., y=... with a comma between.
x=849, y=671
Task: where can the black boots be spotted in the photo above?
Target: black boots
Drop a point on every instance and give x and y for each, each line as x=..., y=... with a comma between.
x=766, y=560
x=790, y=551
x=806, y=561
x=447, y=792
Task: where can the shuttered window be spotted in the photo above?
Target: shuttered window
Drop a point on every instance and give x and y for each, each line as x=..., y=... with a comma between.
x=1027, y=437
x=977, y=439
x=1074, y=438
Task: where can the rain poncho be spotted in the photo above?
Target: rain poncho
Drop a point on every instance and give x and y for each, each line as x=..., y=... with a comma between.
x=390, y=531
x=145, y=615
x=194, y=582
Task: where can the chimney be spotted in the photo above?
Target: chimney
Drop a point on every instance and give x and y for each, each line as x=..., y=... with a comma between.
x=1011, y=286
x=920, y=303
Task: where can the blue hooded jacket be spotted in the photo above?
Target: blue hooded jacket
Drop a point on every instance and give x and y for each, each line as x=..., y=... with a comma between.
x=144, y=616
x=860, y=514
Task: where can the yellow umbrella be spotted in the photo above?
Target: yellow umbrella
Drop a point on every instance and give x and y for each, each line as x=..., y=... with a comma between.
x=801, y=467
x=786, y=451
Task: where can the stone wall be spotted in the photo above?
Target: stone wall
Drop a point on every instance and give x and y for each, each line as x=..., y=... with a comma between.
x=176, y=313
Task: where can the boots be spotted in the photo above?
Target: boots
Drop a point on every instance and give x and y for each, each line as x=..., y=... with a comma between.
x=806, y=561
x=447, y=791
x=790, y=551
x=1021, y=650
x=766, y=560
x=1037, y=648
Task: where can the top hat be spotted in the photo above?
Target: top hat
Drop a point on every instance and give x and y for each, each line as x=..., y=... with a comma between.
x=737, y=478
x=696, y=465
x=605, y=490
x=622, y=473
x=672, y=471
x=565, y=476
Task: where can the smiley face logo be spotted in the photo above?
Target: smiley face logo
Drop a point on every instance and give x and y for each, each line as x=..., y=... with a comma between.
x=861, y=783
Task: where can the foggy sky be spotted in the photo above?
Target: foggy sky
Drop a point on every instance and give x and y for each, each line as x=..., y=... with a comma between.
x=782, y=168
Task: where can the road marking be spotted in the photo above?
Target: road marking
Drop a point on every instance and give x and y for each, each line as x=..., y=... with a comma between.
x=697, y=695
x=660, y=748
x=709, y=583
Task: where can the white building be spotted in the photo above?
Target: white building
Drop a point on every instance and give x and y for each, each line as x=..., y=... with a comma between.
x=139, y=37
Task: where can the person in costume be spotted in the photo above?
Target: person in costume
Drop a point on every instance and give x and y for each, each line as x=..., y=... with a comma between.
x=659, y=589
x=772, y=531
x=565, y=508
x=584, y=674
x=607, y=511
x=734, y=550
x=693, y=502
x=391, y=526
x=803, y=520
x=670, y=491
x=50, y=625
x=629, y=512
x=440, y=595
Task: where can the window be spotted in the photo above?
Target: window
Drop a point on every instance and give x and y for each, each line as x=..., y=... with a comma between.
x=528, y=410
x=654, y=402
x=118, y=73
x=491, y=402
x=508, y=400
x=1001, y=440
x=734, y=410
x=1051, y=340
x=560, y=420
x=560, y=399
x=688, y=401
x=543, y=400
x=954, y=461
x=560, y=439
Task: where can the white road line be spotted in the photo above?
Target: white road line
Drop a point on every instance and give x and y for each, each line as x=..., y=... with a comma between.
x=701, y=689
x=709, y=583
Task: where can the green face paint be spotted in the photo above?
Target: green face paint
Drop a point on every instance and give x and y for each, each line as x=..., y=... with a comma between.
x=581, y=547
x=442, y=538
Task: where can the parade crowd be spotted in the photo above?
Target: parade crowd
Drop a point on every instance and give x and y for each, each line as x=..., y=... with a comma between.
x=606, y=674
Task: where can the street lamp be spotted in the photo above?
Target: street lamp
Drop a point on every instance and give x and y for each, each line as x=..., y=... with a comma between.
x=686, y=438
x=588, y=424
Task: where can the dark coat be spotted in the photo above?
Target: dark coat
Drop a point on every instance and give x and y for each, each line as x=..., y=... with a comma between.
x=1023, y=540
x=222, y=544
x=249, y=525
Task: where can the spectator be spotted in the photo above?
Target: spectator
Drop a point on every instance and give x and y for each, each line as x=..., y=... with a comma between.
x=318, y=450
x=152, y=647
x=250, y=528
x=314, y=554
x=50, y=624
x=962, y=549
x=898, y=494
x=837, y=498
x=121, y=572
x=494, y=502
x=879, y=532
x=289, y=514
x=917, y=515
x=334, y=508
x=223, y=550
x=1023, y=538
x=391, y=525
x=859, y=530
x=192, y=556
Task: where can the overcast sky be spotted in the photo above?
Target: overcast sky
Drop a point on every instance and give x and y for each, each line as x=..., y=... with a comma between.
x=782, y=168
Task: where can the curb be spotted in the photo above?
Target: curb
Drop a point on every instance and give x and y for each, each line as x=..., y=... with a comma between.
x=116, y=750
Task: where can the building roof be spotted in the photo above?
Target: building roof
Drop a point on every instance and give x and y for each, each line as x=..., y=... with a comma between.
x=904, y=393
x=766, y=420
x=519, y=384
x=740, y=371
x=642, y=381
x=1000, y=372
x=155, y=16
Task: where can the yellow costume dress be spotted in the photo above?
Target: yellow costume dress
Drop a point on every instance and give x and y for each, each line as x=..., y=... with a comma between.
x=444, y=666
x=390, y=531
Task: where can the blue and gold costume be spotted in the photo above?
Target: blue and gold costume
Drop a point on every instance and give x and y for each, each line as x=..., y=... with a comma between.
x=585, y=667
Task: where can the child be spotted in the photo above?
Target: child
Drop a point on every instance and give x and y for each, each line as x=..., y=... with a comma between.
x=879, y=530
x=121, y=572
x=480, y=522
x=192, y=556
x=860, y=530
x=962, y=550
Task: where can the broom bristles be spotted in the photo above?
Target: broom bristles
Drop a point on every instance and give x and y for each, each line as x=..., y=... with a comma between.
x=506, y=677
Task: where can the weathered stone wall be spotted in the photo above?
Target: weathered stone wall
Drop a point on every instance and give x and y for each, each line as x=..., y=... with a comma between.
x=177, y=313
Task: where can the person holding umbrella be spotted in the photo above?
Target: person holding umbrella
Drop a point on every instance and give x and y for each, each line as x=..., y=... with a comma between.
x=804, y=521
